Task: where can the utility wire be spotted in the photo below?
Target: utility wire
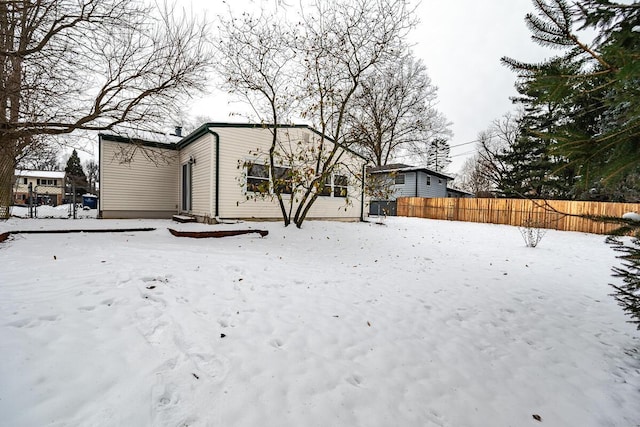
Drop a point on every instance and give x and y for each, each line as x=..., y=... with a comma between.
x=471, y=142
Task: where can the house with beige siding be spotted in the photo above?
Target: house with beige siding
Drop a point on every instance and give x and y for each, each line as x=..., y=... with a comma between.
x=47, y=187
x=216, y=172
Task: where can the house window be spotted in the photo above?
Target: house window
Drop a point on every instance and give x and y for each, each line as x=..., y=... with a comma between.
x=257, y=178
x=326, y=189
x=38, y=181
x=283, y=180
x=428, y=180
x=335, y=185
x=340, y=186
x=439, y=181
x=400, y=178
x=24, y=181
x=55, y=182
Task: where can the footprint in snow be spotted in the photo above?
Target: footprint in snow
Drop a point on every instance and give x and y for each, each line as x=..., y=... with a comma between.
x=160, y=279
x=209, y=364
x=355, y=380
x=32, y=322
x=276, y=343
x=108, y=302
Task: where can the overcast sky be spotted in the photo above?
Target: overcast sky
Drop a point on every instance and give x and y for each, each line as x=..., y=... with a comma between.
x=461, y=43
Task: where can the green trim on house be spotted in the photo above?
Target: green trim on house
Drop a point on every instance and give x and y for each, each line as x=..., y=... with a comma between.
x=139, y=141
x=202, y=130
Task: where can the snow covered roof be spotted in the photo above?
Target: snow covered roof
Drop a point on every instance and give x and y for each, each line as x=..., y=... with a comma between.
x=39, y=174
x=144, y=137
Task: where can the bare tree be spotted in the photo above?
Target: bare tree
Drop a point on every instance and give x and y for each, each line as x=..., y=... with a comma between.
x=310, y=69
x=93, y=175
x=94, y=65
x=42, y=155
x=493, y=144
x=257, y=65
x=473, y=178
x=394, y=110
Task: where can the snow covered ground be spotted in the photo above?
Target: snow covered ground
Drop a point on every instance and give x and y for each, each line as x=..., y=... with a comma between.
x=60, y=211
x=415, y=323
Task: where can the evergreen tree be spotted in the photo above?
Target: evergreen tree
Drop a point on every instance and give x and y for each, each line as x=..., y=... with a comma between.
x=628, y=294
x=597, y=89
x=594, y=88
x=438, y=156
x=75, y=173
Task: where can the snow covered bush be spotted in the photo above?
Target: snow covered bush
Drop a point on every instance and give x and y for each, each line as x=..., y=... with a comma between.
x=532, y=232
x=631, y=216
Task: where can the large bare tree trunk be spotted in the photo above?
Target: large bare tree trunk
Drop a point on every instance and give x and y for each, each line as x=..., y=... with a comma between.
x=89, y=65
x=7, y=167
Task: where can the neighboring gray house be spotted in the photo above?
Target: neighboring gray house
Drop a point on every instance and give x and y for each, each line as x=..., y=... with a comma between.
x=400, y=180
x=458, y=194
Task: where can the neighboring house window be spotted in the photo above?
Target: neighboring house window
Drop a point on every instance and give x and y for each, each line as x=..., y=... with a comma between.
x=340, y=186
x=24, y=181
x=428, y=179
x=400, y=178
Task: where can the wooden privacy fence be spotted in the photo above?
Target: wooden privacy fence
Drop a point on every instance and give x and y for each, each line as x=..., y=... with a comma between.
x=556, y=214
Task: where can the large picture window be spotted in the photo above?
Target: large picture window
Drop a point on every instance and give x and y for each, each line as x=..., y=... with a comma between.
x=258, y=178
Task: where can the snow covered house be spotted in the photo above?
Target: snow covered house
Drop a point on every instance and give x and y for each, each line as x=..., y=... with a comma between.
x=214, y=173
x=400, y=180
x=47, y=187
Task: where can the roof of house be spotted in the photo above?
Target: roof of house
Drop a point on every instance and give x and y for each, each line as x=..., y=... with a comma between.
x=40, y=174
x=145, y=138
x=455, y=190
x=401, y=167
x=173, y=142
x=207, y=128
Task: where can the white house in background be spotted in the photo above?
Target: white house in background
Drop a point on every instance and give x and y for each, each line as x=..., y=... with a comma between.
x=405, y=181
x=211, y=175
x=47, y=187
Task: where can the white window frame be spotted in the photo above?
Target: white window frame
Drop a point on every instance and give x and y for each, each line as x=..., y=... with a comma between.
x=331, y=188
x=342, y=186
x=267, y=178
